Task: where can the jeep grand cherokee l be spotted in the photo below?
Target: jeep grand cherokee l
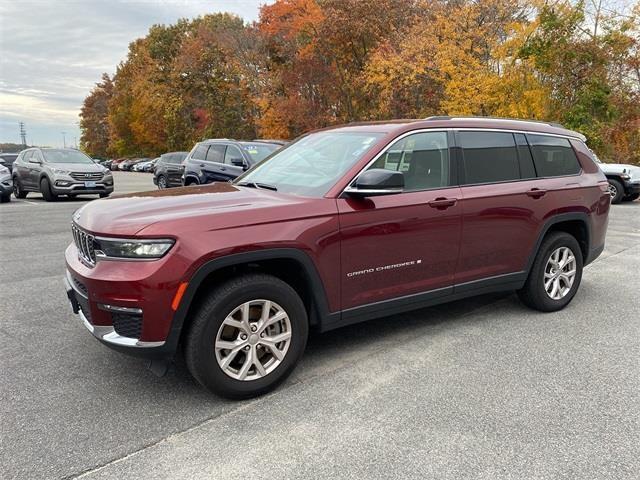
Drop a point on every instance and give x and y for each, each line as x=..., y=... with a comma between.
x=59, y=171
x=343, y=225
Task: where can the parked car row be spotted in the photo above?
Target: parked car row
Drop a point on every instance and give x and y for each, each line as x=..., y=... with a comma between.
x=213, y=160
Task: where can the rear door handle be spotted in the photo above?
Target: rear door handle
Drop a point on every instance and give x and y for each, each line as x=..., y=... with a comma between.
x=202, y=165
x=223, y=168
x=536, y=192
x=442, y=203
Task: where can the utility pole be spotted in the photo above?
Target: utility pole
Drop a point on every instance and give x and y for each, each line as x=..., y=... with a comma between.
x=23, y=134
x=64, y=139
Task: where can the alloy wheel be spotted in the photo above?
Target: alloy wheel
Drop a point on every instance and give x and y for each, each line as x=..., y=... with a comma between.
x=559, y=273
x=16, y=188
x=253, y=340
x=613, y=191
x=162, y=182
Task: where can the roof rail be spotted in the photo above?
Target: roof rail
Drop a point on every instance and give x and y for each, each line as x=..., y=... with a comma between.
x=471, y=117
x=219, y=140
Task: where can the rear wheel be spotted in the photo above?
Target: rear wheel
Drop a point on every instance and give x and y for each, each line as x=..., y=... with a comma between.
x=555, y=274
x=18, y=192
x=247, y=336
x=45, y=189
x=616, y=190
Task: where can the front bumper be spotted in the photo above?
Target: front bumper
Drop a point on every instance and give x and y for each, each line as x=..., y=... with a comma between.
x=79, y=188
x=105, y=333
x=631, y=188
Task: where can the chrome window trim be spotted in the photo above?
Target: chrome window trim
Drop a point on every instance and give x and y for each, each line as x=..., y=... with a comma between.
x=384, y=150
x=107, y=334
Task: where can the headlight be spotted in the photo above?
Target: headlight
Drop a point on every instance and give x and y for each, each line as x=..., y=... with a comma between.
x=625, y=176
x=60, y=171
x=132, y=248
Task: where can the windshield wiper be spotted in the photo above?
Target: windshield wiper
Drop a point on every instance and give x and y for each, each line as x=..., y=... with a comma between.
x=259, y=185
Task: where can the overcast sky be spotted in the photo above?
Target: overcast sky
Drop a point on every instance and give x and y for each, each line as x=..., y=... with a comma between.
x=52, y=52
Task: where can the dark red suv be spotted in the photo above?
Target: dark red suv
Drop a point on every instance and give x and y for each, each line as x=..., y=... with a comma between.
x=343, y=225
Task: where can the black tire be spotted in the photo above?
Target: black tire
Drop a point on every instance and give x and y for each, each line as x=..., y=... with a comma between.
x=162, y=182
x=18, y=192
x=616, y=190
x=200, y=353
x=45, y=189
x=5, y=198
x=533, y=294
x=105, y=195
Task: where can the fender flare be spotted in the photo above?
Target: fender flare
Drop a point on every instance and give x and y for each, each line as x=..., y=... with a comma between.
x=317, y=290
x=192, y=177
x=554, y=220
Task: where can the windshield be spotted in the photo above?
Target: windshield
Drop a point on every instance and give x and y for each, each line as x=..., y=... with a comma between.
x=259, y=151
x=312, y=164
x=65, y=156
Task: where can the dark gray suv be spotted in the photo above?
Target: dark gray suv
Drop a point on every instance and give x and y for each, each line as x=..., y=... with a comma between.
x=59, y=171
x=224, y=159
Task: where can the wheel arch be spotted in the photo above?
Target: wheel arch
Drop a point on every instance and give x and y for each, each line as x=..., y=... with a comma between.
x=291, y=265
x=575, y=224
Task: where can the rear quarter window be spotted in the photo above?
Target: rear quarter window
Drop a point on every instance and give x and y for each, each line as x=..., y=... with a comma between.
x=553, y=156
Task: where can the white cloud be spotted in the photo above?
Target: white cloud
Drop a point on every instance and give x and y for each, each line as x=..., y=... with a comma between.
x=52, y=53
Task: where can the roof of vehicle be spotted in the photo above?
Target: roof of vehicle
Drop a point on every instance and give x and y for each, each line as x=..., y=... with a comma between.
x=534, y=126
x=233, y=140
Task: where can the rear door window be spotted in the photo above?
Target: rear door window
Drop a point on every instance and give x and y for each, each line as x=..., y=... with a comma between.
x=489, y=157
x=553, y=156
x=216, y=153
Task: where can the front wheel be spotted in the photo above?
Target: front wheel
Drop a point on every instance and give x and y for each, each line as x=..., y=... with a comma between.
x=105, y=195
x=5, y=198
x=247, y=336
x=555, y=274
x=45, y=189
x=162, y=182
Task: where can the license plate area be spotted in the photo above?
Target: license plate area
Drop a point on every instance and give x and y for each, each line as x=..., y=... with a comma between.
x=90, y=184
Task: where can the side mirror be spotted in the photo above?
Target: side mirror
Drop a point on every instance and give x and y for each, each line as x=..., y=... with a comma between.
x=377, y=181
x=238, y=162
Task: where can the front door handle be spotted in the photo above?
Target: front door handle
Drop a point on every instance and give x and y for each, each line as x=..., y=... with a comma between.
x=442, y=203
x=536, y=192
x=223, y=168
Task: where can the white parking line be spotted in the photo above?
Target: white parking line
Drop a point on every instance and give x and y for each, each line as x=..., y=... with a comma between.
x=19, y=200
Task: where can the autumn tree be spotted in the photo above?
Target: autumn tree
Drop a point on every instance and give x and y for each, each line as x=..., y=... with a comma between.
x=94, y=119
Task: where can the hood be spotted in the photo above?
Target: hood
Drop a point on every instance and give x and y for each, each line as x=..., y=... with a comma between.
x=186, y=209
x=78, y=167
x=632, y=170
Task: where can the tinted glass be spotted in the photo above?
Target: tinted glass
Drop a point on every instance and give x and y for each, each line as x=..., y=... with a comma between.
x=27, y=155
x=423, y=158
x=232, y=153
x=489, y=157
x=553, y=156
x=524, y=156
x=200, y=152
x=178, y=157
x=313, y=164
x=215, y=153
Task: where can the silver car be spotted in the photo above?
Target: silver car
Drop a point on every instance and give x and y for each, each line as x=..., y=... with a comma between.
x=59, y=171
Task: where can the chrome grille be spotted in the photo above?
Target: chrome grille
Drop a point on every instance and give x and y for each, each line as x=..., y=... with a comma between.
x=86, y=176
x=84, y=243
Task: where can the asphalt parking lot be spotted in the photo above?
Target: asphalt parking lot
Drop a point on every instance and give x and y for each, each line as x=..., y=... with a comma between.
x=481, y=388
